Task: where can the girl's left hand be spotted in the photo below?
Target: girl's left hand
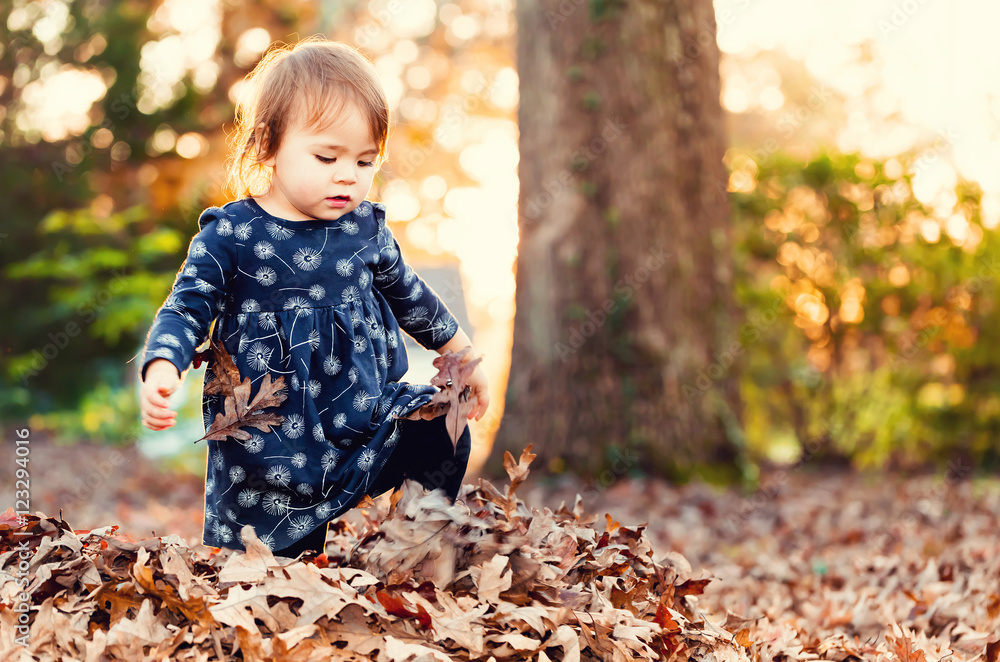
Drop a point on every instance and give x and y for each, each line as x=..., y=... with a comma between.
x=480, y=390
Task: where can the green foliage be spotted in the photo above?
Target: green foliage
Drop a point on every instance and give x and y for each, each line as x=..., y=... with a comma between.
x=100, y=270
x=591, y=100
x=592, y=48
x=101, y=277
x=869, y=328
x=85, y=240
x=604, y=9
x=612, y=217
x=106, y=414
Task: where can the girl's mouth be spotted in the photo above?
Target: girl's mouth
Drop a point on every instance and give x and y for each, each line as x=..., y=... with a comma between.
x=339, y=200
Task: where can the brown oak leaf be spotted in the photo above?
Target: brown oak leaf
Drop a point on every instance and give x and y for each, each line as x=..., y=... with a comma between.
x=517, y=471
x=992, y=652
x=240, y=413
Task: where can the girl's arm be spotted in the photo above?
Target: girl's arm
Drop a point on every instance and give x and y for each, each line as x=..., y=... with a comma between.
x=421, y=312
x=183, y=321
x=417, y=308
x=458, y=342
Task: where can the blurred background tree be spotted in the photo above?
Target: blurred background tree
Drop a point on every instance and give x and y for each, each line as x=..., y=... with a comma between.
x=624, y=270
x=863, y=223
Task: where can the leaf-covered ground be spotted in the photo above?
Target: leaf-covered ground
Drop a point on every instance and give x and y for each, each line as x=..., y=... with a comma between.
x=836, y=567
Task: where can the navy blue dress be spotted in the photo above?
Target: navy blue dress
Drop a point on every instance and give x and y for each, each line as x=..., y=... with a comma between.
x=320, y=302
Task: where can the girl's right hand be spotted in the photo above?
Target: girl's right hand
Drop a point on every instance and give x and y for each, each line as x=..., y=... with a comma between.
x=161, y=381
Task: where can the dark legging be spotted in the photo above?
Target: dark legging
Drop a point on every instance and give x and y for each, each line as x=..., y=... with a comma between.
x=425, y=454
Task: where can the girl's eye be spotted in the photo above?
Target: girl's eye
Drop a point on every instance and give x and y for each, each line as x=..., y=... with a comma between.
x=324, y=159
x=366, y=164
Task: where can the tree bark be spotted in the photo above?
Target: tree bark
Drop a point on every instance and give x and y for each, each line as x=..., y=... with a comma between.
x=624, y=299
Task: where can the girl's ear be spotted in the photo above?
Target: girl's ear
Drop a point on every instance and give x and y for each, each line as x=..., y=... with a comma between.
x=262, y=139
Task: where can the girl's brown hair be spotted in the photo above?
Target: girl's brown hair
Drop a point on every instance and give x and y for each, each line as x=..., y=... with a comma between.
x=308, y=83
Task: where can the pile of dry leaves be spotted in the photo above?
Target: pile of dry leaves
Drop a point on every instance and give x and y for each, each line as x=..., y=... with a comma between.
x=484, y=579
x=828, y=565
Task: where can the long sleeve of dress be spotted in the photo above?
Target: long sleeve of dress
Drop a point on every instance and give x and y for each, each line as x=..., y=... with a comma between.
x=199, y=290
x=418, y=309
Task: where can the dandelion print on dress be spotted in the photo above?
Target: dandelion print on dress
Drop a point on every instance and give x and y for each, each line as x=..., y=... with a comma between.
x=320, y=303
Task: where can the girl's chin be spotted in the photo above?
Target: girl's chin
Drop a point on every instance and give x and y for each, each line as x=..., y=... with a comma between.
x=323, y=211
x=333, y=214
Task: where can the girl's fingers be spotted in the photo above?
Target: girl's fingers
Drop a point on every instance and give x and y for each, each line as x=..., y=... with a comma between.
x=158, y=413
x=160, y=409
x=158, y=399
x=154, y=397
x=482, y=402
x=152, y=425
x=160, y=420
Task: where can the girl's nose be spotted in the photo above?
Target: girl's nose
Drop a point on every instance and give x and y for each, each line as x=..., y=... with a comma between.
x=345, y=176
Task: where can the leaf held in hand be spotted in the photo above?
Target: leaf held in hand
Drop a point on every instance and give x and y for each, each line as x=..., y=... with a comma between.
x=453, y=399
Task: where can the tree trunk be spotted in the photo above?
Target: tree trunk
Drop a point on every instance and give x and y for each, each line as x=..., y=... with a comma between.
x=624, y=354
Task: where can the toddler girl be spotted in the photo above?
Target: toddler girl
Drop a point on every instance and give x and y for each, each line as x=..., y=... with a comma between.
x=304, y=279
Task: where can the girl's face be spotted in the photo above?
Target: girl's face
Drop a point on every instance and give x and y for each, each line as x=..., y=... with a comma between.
x=322, y=173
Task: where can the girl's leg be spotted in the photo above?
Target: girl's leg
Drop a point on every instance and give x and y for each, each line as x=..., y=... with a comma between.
x=427, y=456
x=314, y=541
x=441, y=464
